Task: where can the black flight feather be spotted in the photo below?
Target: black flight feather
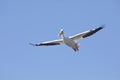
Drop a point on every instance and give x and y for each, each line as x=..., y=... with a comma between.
x=93, y=32
x=45, y=44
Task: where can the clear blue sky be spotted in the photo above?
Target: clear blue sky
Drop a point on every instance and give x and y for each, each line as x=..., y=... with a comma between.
x=24, y=21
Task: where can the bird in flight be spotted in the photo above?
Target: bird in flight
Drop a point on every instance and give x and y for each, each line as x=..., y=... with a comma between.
x=70, y=41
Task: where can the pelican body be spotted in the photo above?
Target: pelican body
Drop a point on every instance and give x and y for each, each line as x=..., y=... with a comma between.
x=70, y=41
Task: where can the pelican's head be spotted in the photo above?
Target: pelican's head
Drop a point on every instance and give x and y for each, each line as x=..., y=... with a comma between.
x=61, y=33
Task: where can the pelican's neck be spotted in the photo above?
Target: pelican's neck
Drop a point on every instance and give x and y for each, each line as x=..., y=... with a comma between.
x=62, y=36
x=61, y=33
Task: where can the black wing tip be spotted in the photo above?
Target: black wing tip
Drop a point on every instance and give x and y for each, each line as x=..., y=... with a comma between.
x=32, y=44
x=93, y=31
x=44, y=44
x=101, y=27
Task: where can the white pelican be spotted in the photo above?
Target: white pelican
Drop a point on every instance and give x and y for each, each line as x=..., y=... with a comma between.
x=69, y=41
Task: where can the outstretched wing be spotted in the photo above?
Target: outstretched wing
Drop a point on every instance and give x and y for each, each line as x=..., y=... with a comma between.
x=86, y=33
x=49, y=43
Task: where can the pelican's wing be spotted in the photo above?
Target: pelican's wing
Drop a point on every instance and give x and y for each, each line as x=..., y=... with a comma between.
x=49, y=43
x=86, y=33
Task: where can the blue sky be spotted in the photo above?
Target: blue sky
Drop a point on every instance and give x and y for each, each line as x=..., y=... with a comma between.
x=24, y=21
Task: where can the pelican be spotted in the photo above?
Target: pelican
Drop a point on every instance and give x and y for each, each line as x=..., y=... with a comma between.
x=70, y=41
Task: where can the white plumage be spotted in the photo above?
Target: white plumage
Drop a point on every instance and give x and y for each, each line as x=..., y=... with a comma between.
x=69, y=41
